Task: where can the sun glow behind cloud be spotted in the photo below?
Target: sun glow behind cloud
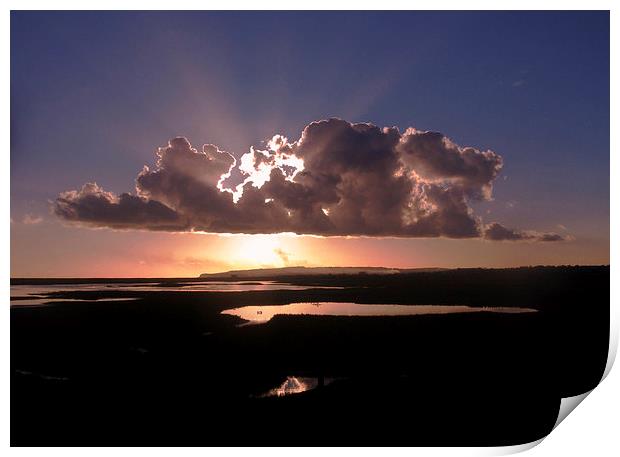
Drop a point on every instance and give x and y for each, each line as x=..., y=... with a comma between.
x=71, y=250
x=258, y=164
x=337, y=179
x=258, y=251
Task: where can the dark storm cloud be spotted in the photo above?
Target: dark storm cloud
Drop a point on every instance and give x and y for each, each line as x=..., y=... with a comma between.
x=337, y=179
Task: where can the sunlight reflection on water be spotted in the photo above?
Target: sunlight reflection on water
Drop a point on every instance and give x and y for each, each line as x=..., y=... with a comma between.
x=295, y=385
x=262, y=314
x=36, y=293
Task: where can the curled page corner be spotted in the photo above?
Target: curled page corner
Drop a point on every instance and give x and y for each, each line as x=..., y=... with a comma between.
x=567, y=405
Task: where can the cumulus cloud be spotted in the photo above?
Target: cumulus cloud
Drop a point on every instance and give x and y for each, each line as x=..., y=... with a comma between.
x=435, y=158
x=93, y=206
x=338, y=178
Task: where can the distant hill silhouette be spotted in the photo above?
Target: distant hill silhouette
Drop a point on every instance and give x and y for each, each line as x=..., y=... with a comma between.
x=313, y=271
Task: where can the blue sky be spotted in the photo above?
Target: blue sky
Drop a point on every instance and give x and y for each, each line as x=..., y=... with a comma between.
x=94, y=94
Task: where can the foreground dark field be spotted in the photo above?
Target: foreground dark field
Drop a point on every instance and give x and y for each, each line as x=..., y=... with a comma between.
x=168, y=369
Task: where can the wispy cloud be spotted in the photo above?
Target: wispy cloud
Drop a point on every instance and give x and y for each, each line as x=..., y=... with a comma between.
x=284, y=256
x=497, y=232
x=31, y=219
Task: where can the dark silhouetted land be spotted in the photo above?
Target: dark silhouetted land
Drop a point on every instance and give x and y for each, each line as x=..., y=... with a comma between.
x=265, y=273
x=166, y=368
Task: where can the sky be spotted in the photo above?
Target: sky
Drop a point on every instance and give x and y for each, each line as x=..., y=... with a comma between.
x=518, y=175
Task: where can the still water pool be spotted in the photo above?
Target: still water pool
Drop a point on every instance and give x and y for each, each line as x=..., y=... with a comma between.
x=262, y=314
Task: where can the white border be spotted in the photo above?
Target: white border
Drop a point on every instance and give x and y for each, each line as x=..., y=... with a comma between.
x=592, y=429
x=312, y=5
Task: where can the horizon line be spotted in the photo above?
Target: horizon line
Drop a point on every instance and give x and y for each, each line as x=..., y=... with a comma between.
x=300, y=266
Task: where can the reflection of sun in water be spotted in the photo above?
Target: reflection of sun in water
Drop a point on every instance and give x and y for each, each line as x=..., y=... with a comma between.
x=259, y=251
x=292, y=385
x=296, y=385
